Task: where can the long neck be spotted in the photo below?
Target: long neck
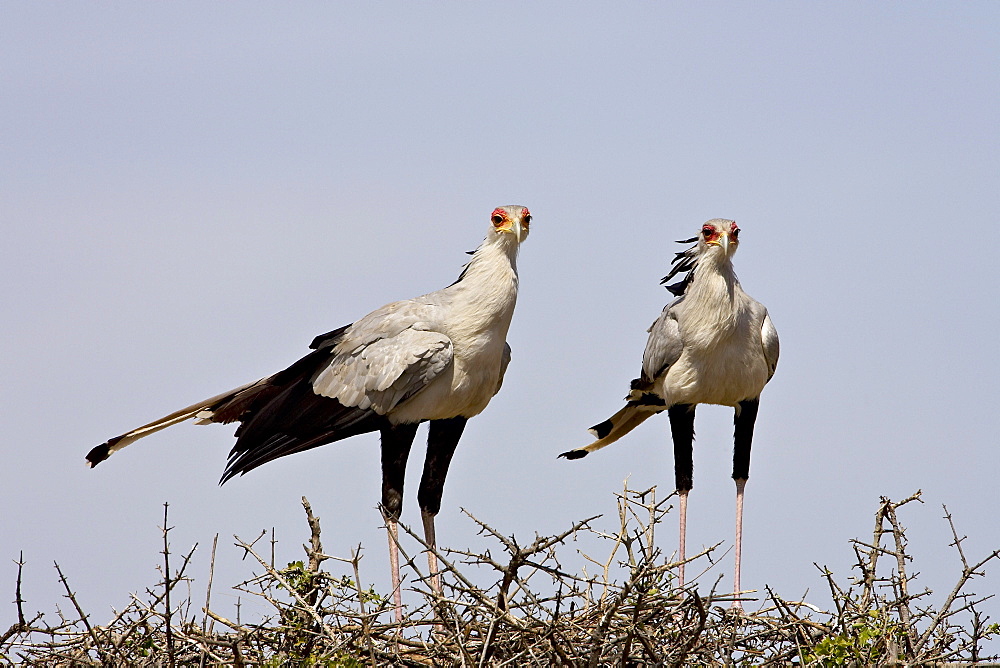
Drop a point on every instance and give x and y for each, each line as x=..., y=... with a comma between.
x=496, y=249
x=714, y=298
x=487, y=289
x=714, y=279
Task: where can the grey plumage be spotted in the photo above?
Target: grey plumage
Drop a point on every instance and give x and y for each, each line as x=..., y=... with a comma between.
x=714, y=344
x=439, y=357
x=436, y=356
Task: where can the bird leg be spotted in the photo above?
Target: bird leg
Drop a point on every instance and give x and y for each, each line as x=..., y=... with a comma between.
x=682, y=432
x=746, y=416
x=740, y=484
x=392, y=531
x=430, y=537
x=396, y=442
x=442, y=439
x=682, y=541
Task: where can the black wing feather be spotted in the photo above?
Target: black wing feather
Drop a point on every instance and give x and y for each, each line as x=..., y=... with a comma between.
x=284, y=416
x=330, y=339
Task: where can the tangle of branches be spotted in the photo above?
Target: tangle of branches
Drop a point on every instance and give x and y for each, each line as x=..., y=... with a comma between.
x=621, y=609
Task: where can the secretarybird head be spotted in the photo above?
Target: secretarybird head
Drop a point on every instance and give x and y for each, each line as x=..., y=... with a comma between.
x=438, y=358
x=712, y=345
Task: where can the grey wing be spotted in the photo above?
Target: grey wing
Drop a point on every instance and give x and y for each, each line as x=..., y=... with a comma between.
x=385, y=368
x=664, y=345
x=769, y=340
x=504, y=361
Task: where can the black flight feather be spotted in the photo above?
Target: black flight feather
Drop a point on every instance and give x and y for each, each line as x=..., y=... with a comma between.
x=282, y=415
x=293, y=418
x=330, y=339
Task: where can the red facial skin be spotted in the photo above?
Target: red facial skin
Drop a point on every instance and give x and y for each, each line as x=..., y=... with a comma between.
x=499, y=217
x=712, y=233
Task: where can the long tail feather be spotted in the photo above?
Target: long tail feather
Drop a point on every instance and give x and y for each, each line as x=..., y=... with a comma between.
x=203, y=412
x=615, y=427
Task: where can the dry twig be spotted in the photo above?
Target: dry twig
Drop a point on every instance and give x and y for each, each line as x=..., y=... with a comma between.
x=534, y=611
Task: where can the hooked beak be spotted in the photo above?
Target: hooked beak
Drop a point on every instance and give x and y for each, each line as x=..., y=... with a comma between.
x=722, y=242
x=514, y=227
x=520, y=230
x=513, y=220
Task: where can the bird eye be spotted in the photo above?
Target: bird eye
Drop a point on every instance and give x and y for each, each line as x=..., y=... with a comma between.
x=708, y=231
x=498, y=216
x=736, y=232
x=526, y=219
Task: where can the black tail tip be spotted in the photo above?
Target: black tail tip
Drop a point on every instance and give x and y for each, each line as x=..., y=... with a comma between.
x=98, y=454
x=603, y=429
x=575, y=454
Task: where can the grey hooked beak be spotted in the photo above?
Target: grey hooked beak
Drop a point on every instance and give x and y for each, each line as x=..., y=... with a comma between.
x=520, y=231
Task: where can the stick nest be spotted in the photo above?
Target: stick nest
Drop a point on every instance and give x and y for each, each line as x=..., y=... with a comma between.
x=523, y=608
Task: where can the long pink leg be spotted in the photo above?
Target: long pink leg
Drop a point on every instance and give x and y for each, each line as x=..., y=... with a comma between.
x=741, y=483
x=682, y=540
x=682, y=434
x=392, y=530
x=442, y=439
x=396, y=442
x=430, y=537
x=746, y=415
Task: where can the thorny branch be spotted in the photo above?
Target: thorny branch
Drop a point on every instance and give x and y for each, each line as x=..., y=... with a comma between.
x=532, y=611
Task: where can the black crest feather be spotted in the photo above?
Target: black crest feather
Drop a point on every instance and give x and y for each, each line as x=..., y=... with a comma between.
x=685, y=261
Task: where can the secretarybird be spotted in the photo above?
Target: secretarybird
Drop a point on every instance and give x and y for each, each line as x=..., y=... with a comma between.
x=439, y=358
x=712, y=345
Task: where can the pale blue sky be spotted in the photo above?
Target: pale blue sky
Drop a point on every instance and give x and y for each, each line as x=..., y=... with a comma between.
x=189, y=192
